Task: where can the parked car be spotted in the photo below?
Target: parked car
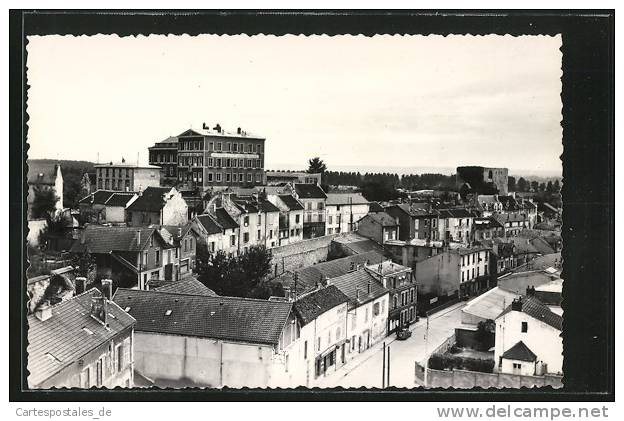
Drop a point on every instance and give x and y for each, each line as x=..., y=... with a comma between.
x=403, y=333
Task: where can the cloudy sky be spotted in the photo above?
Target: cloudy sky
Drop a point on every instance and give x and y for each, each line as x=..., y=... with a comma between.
x=358, y=102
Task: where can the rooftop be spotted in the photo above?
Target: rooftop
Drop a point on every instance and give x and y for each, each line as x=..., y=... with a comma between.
x=189, y=286
x=382, y=219
x=346, y=199
x=309, y=191
x=226, y=318
x=41, y=171
x=209, y=223
x=518, y=282
x=126, y=165
x=538, y=310
x=520, y=352
x=152, y=199
x=355, y=286
x=219, y=133
x=312, y=305
x=102, y=239
x=224, y=219
x=61, y=340
x=291, y=202
x=488, y=306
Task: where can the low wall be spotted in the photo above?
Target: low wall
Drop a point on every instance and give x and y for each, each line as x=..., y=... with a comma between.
x=462, y=379
x=301, y=254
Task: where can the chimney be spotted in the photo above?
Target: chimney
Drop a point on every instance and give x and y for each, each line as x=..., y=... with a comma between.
x=357, y=293
x=138, y=237
x=107, y=288
x=81, y=284
x=205, y=126
x=98, y=307
x=238, y=130
x=44, y=311
x=516, y=305
x=369, y=287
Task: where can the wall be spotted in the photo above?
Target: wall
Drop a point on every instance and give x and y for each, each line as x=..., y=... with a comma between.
x=406, y=223
x=175, y=211
x=345, y=212
x=438, y=274
x=364, y=331
x=143, y=178
x=372, y=229
x=544, y=340
x=204, y=362
x=35, y=226
x=301, y=254
x=115, y=214
x=462, y=379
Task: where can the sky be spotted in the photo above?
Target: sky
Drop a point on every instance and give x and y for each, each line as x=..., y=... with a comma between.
x=395, y=102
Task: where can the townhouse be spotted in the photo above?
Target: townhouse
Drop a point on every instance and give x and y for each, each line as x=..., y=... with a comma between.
x=455, y=225
x=184, y=239
x=367, y=310
x=313, y=199
x=343, y=211
x=126, y=177
x=323, y=342
x=512, y=223
x=400, y=283
x=131, y=256
x=379, y=227
x=83, y=342
x=290, y=218
x=416, y=220
x=158, y=205
x=105, y=206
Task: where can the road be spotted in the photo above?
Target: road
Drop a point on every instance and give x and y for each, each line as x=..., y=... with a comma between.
x=365, y=370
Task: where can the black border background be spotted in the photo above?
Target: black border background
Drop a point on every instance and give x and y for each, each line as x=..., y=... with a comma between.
x=588, y=170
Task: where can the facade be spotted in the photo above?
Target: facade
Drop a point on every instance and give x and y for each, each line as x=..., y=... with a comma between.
x=512, y=223
x=367, y=315
x=408, y=253
x=343, y=211
x=258, y=221
x=416, y=220
x=483, y=180
x=200, y=340
x=323, y=343
x=528, y=339
x=455, y=225
x=290, y=218
x=313, y=199
x=184, y=239
x=463, y=271
x=128, y=255
x=44, y=175
x=379, y=227
x=158, y=205
x=83, y=342
x=126, y=177
x=164, y=154
x=400, y=283
x=277, y=178
x=486, y=229
x=208, y=158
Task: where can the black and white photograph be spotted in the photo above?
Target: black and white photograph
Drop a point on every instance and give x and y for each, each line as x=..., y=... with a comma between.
x=283, y=211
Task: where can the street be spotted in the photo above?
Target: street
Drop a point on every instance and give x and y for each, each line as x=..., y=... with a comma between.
x=366, y=370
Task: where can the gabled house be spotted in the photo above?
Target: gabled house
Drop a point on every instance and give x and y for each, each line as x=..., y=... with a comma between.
x=416, y=220
x=313, y=199
x=129, y=255
x=105, y=206
x=379, y=227
x=290, y=218
x=184, y=340
x=343, y=211
x=528, y=339
x=82, y=342
x=455, y=225
x=158, y=205
x=184, y=239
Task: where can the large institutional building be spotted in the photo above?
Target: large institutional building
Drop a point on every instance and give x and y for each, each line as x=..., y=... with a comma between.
x=126, y=177
x=211, y=157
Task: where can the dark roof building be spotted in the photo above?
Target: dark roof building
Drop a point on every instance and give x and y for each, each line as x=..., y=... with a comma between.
x=152, y=199
x=291, y=202
x=312, y=305
x=309, y=191
x=533, y=307
x=360, y=286
x=383, y=219
x=101, y=239
x=68, y=333
x=225, y=318
x=224, y=219
x=520, y=352
x=209, y=224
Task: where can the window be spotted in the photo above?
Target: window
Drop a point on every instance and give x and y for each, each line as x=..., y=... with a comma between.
x=158, y=255
x=412, y=295
x=318, y=343
x=463, y=276
x=309, y=206
x=210, y=177
x=525, y=327
x=330, y=219
x=259, y=235
x=330, y=231
x=366, y=316
x=305, y=346
x=249, y=179
x=232, y=240
x=219, y=146
x=234, y=177
x=235, y=147
x=297, y=219
x=292, y=233
x=258, y=178
x=259, y=219
x=354, y=321
x=270, y=233
x=99, y=372
x=246, y=220
x=119, y=356
x=321, y=205
x=210, y=162
x=240, y=177
x=246, y=237
x=228, y=177
x=85, y=378
x=218, y=176
x=228, y=147
x=376, y=308
x=241, y=163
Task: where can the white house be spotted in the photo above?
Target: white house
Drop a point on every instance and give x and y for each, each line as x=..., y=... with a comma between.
x=343, y=211
x=323, y=344
x=367, y=310
x=158, y=205
x=528, y=339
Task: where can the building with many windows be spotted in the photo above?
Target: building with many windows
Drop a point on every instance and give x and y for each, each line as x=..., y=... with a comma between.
x=126, y=177
x=208, y=158
x=164, y=154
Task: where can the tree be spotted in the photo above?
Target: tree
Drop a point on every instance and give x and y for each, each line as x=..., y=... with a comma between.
x=316, y=165
x=84, y=265
x=522, y=185
x=44, y=203
x=534, y=186
x=511, y=184
x=556, y=187
x=549, y=187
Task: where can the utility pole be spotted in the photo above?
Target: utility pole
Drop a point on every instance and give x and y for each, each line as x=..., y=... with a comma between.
x=426, y=349
x=388, y=367
x=383, y=368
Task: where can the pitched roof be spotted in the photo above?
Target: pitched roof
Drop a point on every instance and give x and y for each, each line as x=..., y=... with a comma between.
x=456, y=213
x=489, y=305
x=502, y=218
x=178, y=232
x=309, y=191
x=359, y=280
x=312, y=305
x=414, y=209
x=266, y=206
x=224, y=219
x=310, y=275
x=539, y=311
x=150, y=200
x=227, y=318
x=382, y=219
x=101, y=239
x=346, y=199
x=520, y=352
x=189, y=286
x=518, y=282
x=99, y=197
x=41, y=171
x=59, y=341
x=388, y=267
x=119, y=199
x=358, y=244
x=209, y=223
x=291, y=202
x=375, y=207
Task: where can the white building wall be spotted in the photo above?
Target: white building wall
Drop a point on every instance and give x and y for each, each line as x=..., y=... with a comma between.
x=365, y=329
x=544, y=340
x=340, y=216
x=175, y=211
